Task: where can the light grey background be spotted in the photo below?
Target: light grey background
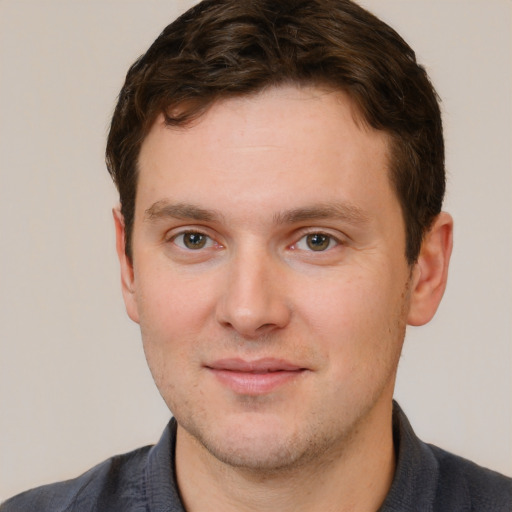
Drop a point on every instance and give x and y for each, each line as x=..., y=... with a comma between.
x=74, y=387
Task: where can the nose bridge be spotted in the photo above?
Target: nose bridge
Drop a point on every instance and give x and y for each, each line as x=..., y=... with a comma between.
x=254, y=300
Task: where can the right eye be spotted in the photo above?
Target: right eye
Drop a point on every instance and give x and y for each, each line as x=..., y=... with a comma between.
x=192, y=240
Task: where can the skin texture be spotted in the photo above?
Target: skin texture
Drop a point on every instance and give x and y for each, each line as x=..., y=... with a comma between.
x=226, y=284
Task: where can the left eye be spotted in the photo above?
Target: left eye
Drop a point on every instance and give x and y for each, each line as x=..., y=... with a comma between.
x=193, y=240
x=316, y=242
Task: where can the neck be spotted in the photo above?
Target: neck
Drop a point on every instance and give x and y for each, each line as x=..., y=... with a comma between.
x=356, y=476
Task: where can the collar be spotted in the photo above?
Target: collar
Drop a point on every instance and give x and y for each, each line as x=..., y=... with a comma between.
x=417, y=471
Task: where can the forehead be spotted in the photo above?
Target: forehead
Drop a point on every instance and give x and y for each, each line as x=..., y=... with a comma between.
x=280, y=145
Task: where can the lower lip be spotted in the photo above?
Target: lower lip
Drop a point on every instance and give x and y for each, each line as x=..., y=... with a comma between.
x=246, y=383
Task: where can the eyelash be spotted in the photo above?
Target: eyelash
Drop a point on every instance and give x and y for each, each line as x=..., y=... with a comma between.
x=332, y=241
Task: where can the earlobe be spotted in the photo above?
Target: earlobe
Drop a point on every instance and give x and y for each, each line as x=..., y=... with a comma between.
x=430, y=272
x=127, y=274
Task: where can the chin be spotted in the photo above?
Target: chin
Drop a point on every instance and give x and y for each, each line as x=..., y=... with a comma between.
x=258, y=453
x=262, y=444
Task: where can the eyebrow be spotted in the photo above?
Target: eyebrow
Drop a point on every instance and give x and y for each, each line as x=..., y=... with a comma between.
x=164, y=209
x=337, y=211
x=184, y=211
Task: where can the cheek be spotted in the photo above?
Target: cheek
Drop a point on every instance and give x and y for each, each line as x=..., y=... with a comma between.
x=172, y=301
x=170, y=319
x=173, y=313
x=355, y=316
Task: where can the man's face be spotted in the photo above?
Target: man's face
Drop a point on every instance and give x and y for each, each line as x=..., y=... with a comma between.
x=269, y=276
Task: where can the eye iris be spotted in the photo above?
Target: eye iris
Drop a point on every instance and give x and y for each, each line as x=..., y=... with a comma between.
x=194, y=240
x=317, y=242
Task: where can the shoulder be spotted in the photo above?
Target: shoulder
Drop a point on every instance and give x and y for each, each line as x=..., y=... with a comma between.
x=464, y=481
x=120, y=476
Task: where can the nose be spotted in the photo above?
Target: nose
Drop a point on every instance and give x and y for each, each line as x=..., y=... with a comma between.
x=253, y=302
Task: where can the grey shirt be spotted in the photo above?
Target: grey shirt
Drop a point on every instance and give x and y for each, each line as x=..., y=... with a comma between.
x=427, y=479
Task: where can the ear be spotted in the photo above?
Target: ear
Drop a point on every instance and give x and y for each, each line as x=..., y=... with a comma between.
x=127, y=274
x=430, y=272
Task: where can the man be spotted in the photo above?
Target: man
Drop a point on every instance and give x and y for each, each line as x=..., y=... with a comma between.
x=281, y=175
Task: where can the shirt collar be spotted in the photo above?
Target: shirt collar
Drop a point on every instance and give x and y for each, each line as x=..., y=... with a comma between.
x=161, y=487
x=417, y=472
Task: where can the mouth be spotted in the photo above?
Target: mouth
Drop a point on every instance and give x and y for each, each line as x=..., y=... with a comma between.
x=257, y=377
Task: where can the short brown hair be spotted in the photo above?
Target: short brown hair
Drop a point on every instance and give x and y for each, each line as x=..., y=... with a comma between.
x=226, y=48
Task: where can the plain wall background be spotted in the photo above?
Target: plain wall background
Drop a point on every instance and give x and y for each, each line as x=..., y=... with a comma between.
x=74, y=387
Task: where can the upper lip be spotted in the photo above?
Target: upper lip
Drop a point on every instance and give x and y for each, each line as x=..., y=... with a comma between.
x=263, y=365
